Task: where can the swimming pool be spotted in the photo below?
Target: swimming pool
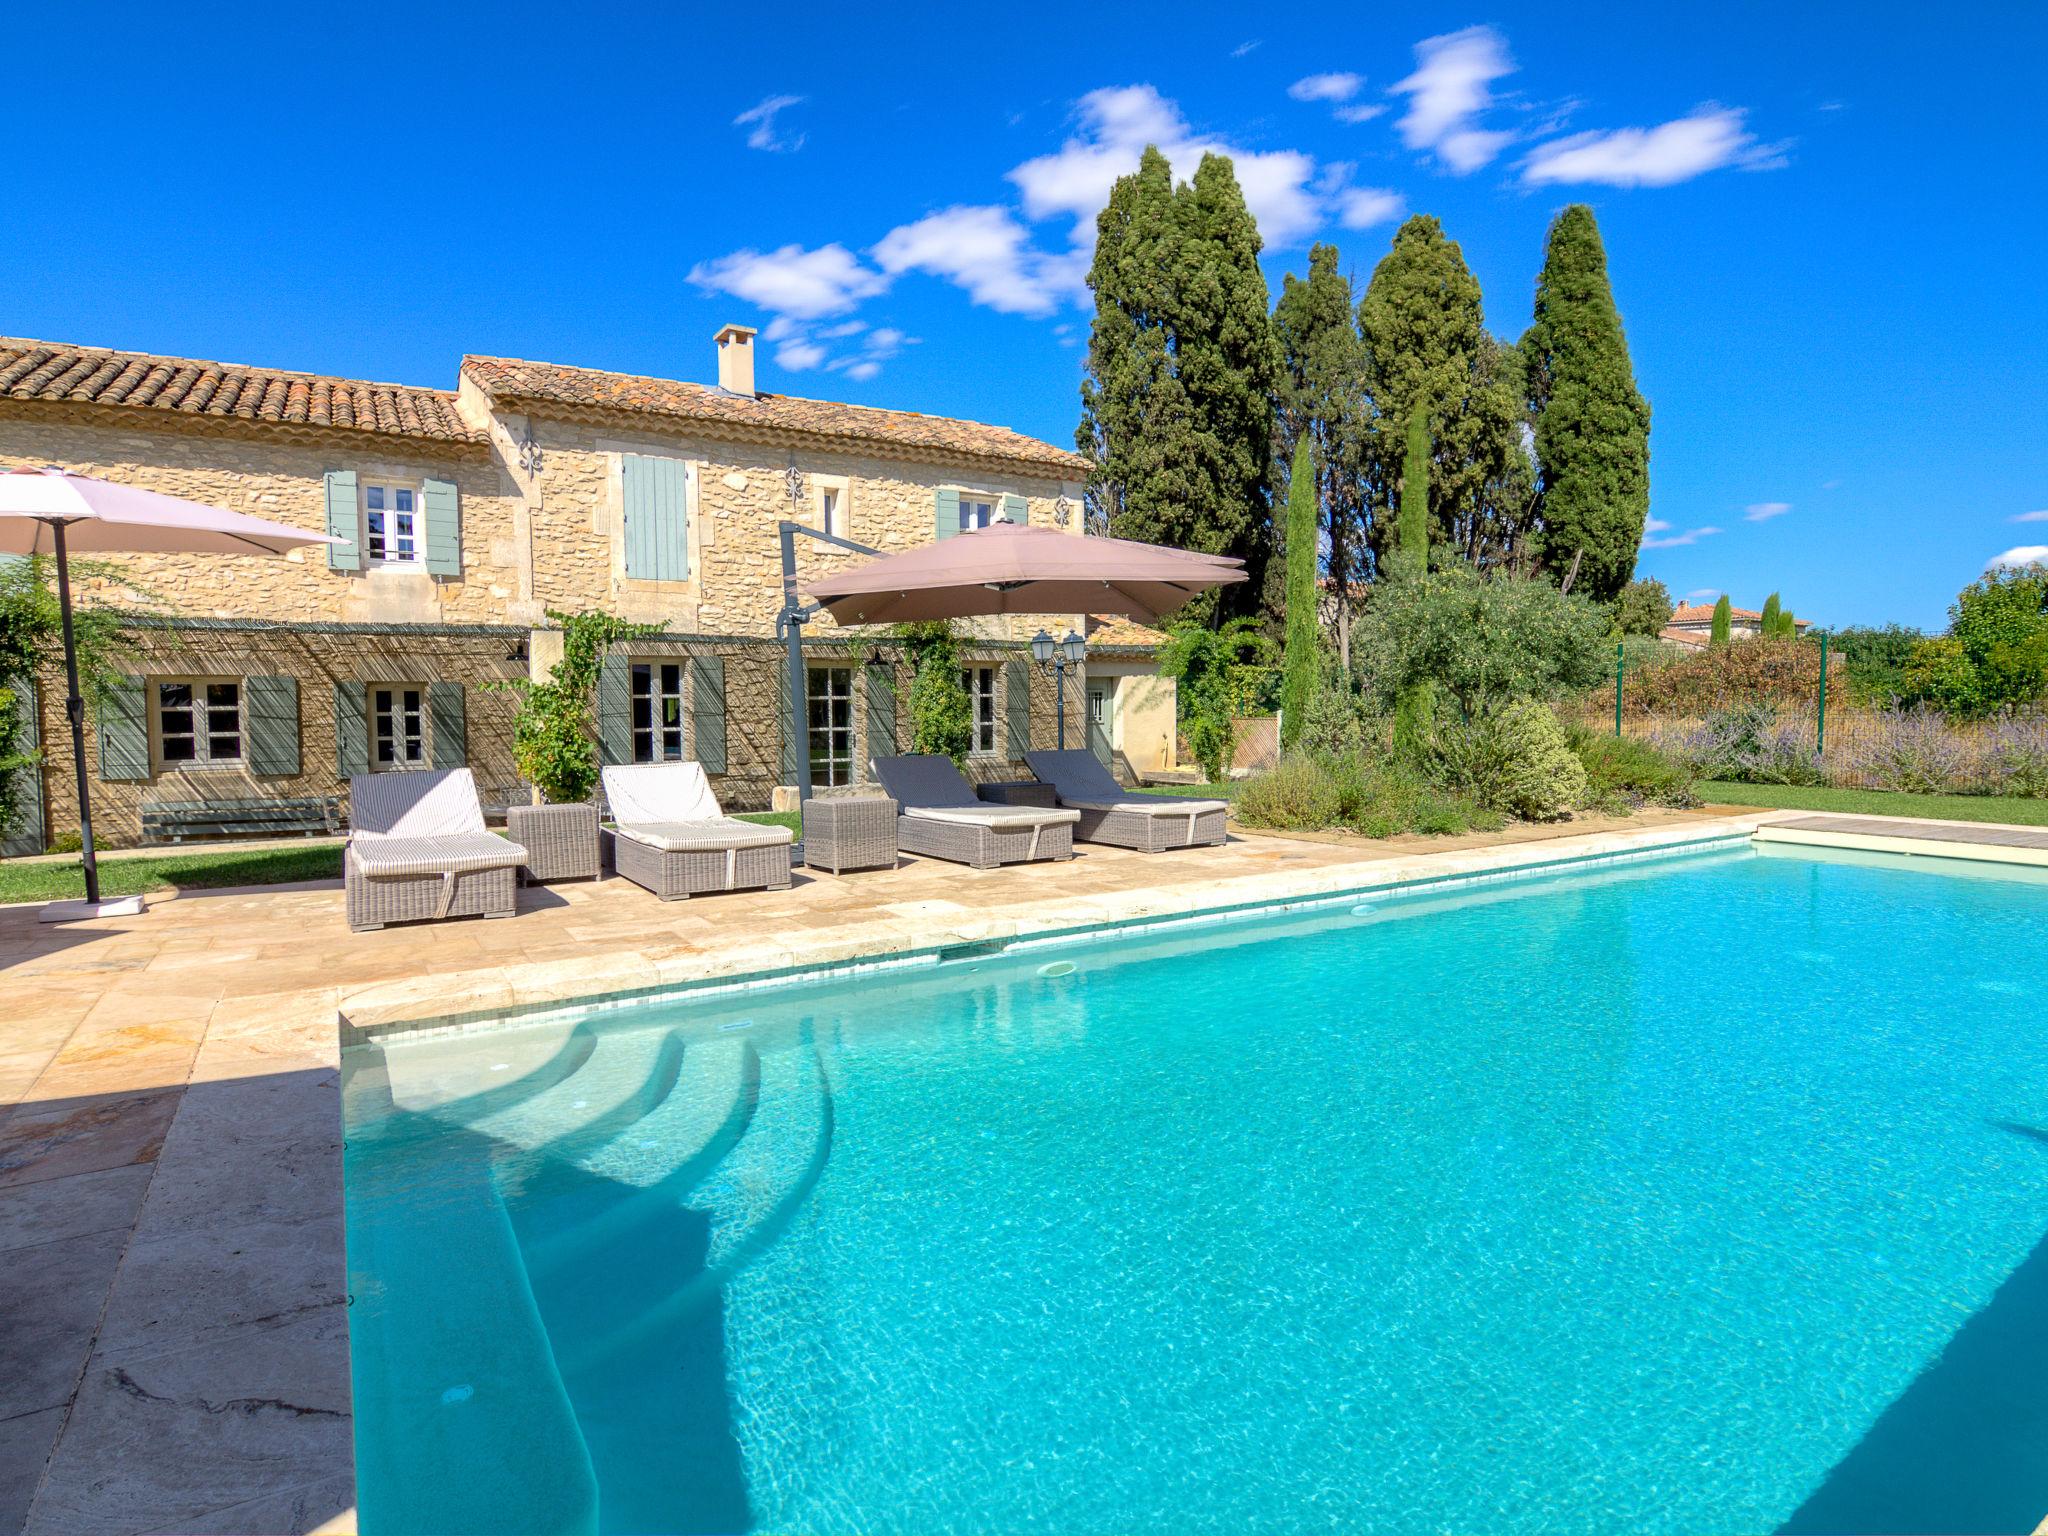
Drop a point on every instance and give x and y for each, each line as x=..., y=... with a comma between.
x=1699, y=1194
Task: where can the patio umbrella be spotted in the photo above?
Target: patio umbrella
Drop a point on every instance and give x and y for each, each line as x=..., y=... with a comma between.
x=54, y=512
x=1012, y=568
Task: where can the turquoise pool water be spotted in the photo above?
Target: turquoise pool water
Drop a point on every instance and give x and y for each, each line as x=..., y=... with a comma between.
x=1700, y=1195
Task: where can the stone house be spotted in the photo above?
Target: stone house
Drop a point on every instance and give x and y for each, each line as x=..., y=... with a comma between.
x=256, y=688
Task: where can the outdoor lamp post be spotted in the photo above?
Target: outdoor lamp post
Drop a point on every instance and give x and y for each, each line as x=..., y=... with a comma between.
x=1060, y=655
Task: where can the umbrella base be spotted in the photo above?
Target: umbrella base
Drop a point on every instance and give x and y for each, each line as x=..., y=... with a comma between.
x=79, y=911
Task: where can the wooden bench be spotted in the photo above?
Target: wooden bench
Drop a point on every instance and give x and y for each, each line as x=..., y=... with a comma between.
x=173, y=821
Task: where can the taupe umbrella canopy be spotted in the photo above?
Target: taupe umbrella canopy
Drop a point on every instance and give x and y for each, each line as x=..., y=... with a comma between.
x=1012, y=568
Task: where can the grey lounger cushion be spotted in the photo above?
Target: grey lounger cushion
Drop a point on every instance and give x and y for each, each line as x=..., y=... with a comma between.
x=422, y=822
x=696, y=836
x=1081, y=780
x=931, y=787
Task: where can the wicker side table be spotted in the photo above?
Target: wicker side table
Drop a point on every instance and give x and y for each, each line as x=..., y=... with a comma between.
x=1020, y=792
x=856, y=832
x=560, y=840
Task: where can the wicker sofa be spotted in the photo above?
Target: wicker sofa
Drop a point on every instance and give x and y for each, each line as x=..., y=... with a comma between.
x=942, y=817
x=669, y=835
x=418, y=851
x=1148, y=823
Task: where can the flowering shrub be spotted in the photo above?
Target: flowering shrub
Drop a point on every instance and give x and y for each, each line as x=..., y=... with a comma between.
x=1908, y=749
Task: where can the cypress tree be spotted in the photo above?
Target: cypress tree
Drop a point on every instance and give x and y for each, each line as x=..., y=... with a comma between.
x=1767, y=623
x=1424, y=334
x=1724, y=619
x=1177, y=404
x=1322, y=400
x=1415, y=492
x=1298, y=660
x=1592, y=427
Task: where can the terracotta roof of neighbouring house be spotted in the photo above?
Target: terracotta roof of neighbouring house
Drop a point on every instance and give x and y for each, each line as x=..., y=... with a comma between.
x=508, y=379
x=61, y=373
x=1113, y=633
x=1703, y=613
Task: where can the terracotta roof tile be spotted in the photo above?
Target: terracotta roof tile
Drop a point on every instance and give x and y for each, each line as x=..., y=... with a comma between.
x=58, y=371
x=1113, y=633
x=507, y=379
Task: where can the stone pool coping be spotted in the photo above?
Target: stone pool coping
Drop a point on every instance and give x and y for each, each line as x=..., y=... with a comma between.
x=187, y=1222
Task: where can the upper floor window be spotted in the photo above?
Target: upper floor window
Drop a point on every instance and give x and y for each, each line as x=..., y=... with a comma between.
x=976, y=511
x=980, y=683
x=392, y=534
x=831, y=493
x=398, y=734
x=199, y=723
x=657, y=711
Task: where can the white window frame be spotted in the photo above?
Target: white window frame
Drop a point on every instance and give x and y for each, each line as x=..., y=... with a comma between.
x=991, y=501
x=830, y=768
x=660, y=735
x=832, y=505
x=980, y=683
x=204, y=758
x=387, y=703
x=389, y=488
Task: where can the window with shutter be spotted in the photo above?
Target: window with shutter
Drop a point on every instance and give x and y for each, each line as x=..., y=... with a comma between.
x=707, y=711
x=23, y=835
x=1015, y=510
x=614, y=710
x=880, y=683
x=444, y=527
x=351, y=729
x=656, y=495
x=273, y=725
x=342, y=521
x=448, y=711
x=1017, y=686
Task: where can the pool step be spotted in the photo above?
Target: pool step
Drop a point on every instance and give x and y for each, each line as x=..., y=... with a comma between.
x=626, y=1074
x=475, y=1429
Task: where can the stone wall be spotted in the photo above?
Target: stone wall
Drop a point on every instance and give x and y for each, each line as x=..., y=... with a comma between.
x=279, y=474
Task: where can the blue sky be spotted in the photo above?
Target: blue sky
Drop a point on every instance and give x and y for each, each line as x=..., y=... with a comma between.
x=1825, y=225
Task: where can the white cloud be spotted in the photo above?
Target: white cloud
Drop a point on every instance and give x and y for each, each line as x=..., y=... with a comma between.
x=802, y=347
x=790, y=280
x=2030, y=517
x=1680, y=540
x=1358, y=112
x=761, y=119
x=1336, y=86
x=1655, y=525
x=842, y=329
x=1764, y=511
x=1117, y=123
x=798, y=354
x=1700, y=594
x=1449, y=90
x=1363, y=207
x=2015, y=558
x=1709, y=139
x=1244, y=48
x=987, y=252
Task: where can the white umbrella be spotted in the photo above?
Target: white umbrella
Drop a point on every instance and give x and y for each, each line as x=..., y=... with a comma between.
x=54, y=512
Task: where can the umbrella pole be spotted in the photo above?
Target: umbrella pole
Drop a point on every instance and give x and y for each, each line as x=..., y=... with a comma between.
x=74, y=706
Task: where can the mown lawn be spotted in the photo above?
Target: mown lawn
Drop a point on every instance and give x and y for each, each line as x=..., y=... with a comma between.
x=1878, y=802
x=1198, y=791
x=58, y=880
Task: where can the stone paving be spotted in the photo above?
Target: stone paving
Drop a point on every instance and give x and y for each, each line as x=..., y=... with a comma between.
x=174, y=1353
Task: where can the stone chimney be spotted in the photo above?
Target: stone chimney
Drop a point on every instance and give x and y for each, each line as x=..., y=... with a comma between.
x=736, y=360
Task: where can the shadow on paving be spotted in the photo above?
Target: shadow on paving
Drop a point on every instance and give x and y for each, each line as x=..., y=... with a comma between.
x=1965, y=1447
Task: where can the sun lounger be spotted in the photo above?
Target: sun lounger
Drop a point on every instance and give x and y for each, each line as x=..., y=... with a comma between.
x=942, y=817
x=418, y=850
x=1110, y=814
x=670, y=836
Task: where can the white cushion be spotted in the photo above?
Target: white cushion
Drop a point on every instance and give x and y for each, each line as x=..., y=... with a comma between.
x=659, y=792
x=438, y=802
x=708, y=836
x=1011, y=817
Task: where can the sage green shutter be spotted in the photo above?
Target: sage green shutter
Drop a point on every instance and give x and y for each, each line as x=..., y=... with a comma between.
x=24, y=834
x=448, y=712
x=124, y=731
x=444, y=528
x=351, y=729
x=342, y=522
x=1017, y=691
x=1015, y=510
x=273, y=707
x=707, y=711
x=945, y=514
x=792, y=735
x=881, y=689
x=657, y=503
x=614, y=710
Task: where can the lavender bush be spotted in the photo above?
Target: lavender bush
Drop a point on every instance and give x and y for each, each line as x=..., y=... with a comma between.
x=1906, y=749
x=2017, y=750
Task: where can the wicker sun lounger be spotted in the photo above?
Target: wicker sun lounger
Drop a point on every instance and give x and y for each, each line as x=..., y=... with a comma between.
x=1148, y=823
x=417, y=849
x=671, y=837
x=943, y=818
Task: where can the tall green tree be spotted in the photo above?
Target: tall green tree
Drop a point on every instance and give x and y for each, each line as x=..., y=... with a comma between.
x=1183, y=369
x=1721, y=628
x=1299, y=661
x=1323, y=401
x=1592, y=425
x=1424, y=335
x=1767, y=621
x=1415, y=513
x=1643, y=607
